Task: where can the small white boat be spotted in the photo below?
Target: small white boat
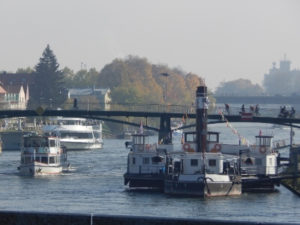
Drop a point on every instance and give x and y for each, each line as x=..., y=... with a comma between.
x=41, y=155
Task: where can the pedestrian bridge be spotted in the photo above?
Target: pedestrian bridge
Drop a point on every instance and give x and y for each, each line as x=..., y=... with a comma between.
x=119, y=112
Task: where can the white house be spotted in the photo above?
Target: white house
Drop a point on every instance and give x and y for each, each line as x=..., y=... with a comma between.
x=103, y=95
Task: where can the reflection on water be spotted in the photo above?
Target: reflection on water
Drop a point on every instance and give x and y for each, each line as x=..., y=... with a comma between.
x=95, y=185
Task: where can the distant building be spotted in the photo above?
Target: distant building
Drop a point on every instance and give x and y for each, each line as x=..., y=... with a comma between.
x=13, y=97
x=14, y=91
x=102, y=95
x=283, y=80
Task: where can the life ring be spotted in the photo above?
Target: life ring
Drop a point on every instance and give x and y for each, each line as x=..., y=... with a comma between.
x=216, y=148
x=263, y=150
x=186, y=147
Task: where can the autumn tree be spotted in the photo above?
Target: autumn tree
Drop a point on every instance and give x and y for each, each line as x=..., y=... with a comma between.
x=134, y=79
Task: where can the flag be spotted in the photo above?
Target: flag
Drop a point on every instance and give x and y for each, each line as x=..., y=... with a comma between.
x=183, y=119
x=182, y=139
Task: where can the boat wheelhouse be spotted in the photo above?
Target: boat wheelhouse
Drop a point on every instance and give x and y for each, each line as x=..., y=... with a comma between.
x=41, y=155
x=145, y=163
x=258, y=163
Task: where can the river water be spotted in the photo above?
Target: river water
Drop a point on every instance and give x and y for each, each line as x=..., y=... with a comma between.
x=95, y=185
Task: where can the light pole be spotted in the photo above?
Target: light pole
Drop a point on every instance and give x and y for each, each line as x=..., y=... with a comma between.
x=165, y=91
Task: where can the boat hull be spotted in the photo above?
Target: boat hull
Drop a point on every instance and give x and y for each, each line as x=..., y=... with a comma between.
x=201, y=188
x=259, y=184
x=39, y=169
x=155, y=181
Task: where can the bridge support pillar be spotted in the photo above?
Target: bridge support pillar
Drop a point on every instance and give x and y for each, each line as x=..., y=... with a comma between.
x=165, y=132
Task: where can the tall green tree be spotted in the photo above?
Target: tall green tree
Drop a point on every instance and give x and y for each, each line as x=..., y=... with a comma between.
x=49, y=88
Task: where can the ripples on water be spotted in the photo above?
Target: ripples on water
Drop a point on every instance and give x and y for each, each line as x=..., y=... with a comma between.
x=95, y=185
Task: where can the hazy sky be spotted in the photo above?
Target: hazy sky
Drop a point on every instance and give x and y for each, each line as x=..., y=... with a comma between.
x=220, y=40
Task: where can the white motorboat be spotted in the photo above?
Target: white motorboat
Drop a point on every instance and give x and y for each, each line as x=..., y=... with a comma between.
x=41, y=155
x=76, y=133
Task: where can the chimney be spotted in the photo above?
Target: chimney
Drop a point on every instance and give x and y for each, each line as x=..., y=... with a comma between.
x=201, y=118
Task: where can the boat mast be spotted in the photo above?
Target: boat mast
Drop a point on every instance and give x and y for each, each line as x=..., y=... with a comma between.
x=201, y=119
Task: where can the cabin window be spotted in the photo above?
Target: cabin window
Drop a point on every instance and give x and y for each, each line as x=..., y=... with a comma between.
x=52, y=160
x=258, y=162
x=37, y=159
x=52, y=143
x=156, y=160
x=212, y=162
x=190, y=137
x=146, y=160
x=263, y=141
x=76, y=135
x=133, y=160
x=194, y=162
x=44, y=159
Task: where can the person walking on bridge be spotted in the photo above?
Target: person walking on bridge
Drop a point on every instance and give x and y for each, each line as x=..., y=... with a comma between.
x=243, y=108
x=292, y=113
x=257, y=109
x=227, y=109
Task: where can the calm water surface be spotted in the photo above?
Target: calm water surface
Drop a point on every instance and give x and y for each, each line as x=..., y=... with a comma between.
x=95, y=185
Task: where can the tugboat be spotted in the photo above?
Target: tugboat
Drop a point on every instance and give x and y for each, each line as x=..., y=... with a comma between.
x=258, y=163
x=196, y=172
x=145, y=164
x=41, y=155
x=259, y=166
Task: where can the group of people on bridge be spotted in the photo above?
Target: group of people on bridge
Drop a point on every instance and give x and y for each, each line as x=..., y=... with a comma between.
x=253, y=109
x=284, y=113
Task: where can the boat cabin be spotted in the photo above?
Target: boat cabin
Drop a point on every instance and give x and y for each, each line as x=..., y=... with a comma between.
x=144, y=158
x=190, y=140
x=42, y=149
x=190, y=164
x=138, y=143
x=260, y=159
x=264, y=141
